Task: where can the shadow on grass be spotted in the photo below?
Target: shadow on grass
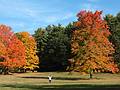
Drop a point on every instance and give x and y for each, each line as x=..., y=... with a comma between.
x=65, y=87
x=59, y=78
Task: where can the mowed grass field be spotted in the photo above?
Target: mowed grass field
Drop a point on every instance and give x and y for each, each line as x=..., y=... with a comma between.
x=61, y=80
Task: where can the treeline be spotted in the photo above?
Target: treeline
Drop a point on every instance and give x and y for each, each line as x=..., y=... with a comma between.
x=17, y=51
x=90, y=44
x=53, y=47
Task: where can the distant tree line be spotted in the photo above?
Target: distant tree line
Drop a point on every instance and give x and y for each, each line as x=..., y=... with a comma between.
x=54, y=44
x=90, y=44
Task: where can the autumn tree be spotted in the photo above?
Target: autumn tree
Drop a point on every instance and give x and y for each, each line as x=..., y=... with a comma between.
x=12, y=50
x=32, y=60
x=90, y=45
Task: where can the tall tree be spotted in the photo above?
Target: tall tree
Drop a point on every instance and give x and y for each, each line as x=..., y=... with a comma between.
x=41, y=40
x=13, y=50
x=68, y=32
x=30, y=49
x=90, y=45
x=53, y=47
x=114, y=27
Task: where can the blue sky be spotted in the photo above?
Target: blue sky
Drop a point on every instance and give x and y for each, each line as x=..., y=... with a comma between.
x=28, y=15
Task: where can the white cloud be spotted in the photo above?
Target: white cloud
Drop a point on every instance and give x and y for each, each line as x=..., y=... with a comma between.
x=31, y=11
x=93, y=0
x=88, y=6
x=22, y=14
x=19, y=24
x=57, y=17
x=47, y=16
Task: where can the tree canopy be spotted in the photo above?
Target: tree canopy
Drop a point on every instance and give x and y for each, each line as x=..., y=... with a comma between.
x=30, y=50
x=12, y=50
x=90, y=44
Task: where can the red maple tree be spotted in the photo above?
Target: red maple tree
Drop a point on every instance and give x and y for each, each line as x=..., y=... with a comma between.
x=12, y=50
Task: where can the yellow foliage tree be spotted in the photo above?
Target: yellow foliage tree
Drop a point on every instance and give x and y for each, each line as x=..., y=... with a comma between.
x=32, y=60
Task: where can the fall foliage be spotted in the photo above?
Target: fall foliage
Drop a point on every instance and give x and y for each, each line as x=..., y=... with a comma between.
x=12, y=50
x=90, y=45
x=30, y=50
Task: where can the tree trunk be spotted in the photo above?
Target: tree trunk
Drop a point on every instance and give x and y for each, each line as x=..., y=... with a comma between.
x=90, y=73
x=5, y=71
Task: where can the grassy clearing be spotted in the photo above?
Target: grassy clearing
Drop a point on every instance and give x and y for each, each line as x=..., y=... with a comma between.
x=39, y=81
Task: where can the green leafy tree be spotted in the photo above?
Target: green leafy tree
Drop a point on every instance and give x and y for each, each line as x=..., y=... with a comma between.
x=114, y=27
x=52, y=47
x=41, y=40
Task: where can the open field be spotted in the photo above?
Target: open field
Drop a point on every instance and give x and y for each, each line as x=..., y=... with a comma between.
x=61, y=80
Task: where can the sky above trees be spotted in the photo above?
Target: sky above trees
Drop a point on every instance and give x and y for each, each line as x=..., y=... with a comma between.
x=28, y=15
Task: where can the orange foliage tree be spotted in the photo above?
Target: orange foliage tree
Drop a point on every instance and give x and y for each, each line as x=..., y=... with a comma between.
x=90, y=45
x=12, y=50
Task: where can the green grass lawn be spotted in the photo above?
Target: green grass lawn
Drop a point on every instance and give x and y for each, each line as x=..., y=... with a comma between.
x=61, y=80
